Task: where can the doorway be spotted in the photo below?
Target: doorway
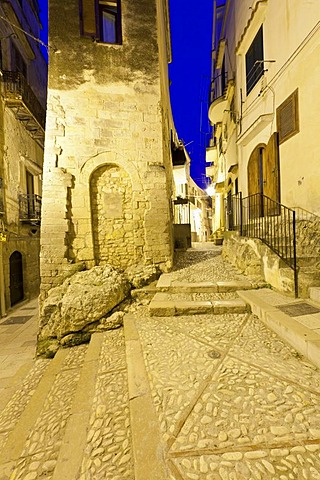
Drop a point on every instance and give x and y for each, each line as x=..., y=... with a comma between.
x=16, y=278
x=264, y=179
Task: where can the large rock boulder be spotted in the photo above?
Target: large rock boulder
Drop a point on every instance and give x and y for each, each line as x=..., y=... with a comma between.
x=75, y=308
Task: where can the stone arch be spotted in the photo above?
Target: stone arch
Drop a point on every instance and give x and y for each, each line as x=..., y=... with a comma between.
x=107, y=157
x=117, y=223
x=84, y=201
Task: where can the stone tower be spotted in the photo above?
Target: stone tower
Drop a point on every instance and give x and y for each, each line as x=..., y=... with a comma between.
x=107, y=169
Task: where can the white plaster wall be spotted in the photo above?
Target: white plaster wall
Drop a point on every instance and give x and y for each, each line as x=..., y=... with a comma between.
x=292, y=39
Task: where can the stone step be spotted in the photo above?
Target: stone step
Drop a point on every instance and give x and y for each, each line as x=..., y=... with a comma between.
x=167, y=284
x=314, y=293
x=164, y=305
x=147, y=445
x=76, y=424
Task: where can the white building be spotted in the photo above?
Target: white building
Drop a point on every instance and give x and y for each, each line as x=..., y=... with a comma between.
x=264, y=108
x=192, y=205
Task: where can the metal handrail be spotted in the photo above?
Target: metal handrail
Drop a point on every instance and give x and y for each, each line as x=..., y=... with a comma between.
x=14, y=83
x=30, y=207
x=218, y=86
x=259, y=216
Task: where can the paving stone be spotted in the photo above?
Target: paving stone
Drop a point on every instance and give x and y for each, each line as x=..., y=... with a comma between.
x=231, y=399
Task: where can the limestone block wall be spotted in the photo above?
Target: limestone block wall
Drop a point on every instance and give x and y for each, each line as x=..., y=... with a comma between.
x=107, y=178
x=19, y=152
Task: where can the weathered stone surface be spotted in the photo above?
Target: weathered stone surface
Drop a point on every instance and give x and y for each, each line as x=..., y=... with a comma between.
x=110, y=323
x=82, y=300
x=141, y=275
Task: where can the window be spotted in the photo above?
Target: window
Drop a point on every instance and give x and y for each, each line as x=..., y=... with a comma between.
x=288, y=117
x=254, y=61
x=101, y=20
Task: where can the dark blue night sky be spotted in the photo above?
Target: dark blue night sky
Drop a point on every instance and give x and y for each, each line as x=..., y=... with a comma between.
x=191, y=34
x=44, y=20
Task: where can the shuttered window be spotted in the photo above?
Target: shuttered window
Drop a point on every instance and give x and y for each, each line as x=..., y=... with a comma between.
x=254, y=61
x=288, y=117
x=101, y=20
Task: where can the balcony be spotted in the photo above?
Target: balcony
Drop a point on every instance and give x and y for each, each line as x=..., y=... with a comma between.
x=30, y=209
x=24, y=103
x=218, y=100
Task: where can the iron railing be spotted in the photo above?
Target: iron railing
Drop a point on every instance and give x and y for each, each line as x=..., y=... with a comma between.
x=218, y=86
x=259, y=216
x=15, y=84
x=308, y=236
x=30, y=208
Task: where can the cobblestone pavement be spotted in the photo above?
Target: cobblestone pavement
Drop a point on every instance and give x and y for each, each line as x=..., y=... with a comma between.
x=107, y=453
x=233, y=401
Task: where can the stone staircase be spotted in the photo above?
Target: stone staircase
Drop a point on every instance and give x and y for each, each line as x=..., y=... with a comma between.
x=180, y=298
x=88, y=413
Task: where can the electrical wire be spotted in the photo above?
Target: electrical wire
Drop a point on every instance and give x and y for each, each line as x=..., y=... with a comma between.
x=28, y=34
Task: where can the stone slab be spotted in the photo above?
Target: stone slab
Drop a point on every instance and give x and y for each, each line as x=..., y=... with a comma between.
x=74, y=441
x=162, y=309
x=302, y=338
x=232, y=286
x=148, y=449
x=164, y=281
x=230, y=306
x=190, y=308
x=314, y=293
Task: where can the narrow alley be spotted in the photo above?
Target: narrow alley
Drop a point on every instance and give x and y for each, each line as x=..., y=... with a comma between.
x=200, y=396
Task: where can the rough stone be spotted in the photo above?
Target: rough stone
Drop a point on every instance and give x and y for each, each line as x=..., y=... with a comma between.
x=114, y=321
x=72, y=308
x=141, y=275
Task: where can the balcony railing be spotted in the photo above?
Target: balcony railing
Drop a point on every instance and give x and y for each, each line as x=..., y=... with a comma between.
x=30, y=208
x=218, y=86
x=16, y=88
x=259, y=216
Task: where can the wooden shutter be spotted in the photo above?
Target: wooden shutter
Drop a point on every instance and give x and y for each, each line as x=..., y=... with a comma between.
x=271, y=175
x=88, y=18
x=288, y=117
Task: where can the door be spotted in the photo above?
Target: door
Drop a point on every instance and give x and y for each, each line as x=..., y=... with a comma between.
x=255, y=182
x=271, y=176
x=264, y=178
x=16, y=278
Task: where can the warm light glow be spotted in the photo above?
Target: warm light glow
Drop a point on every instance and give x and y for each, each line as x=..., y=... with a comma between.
x=211, y=190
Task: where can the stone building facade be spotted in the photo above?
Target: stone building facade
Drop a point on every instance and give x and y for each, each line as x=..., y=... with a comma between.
x=23, y=78
x=265, y=150
x=262, y=106
x=107, y=181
